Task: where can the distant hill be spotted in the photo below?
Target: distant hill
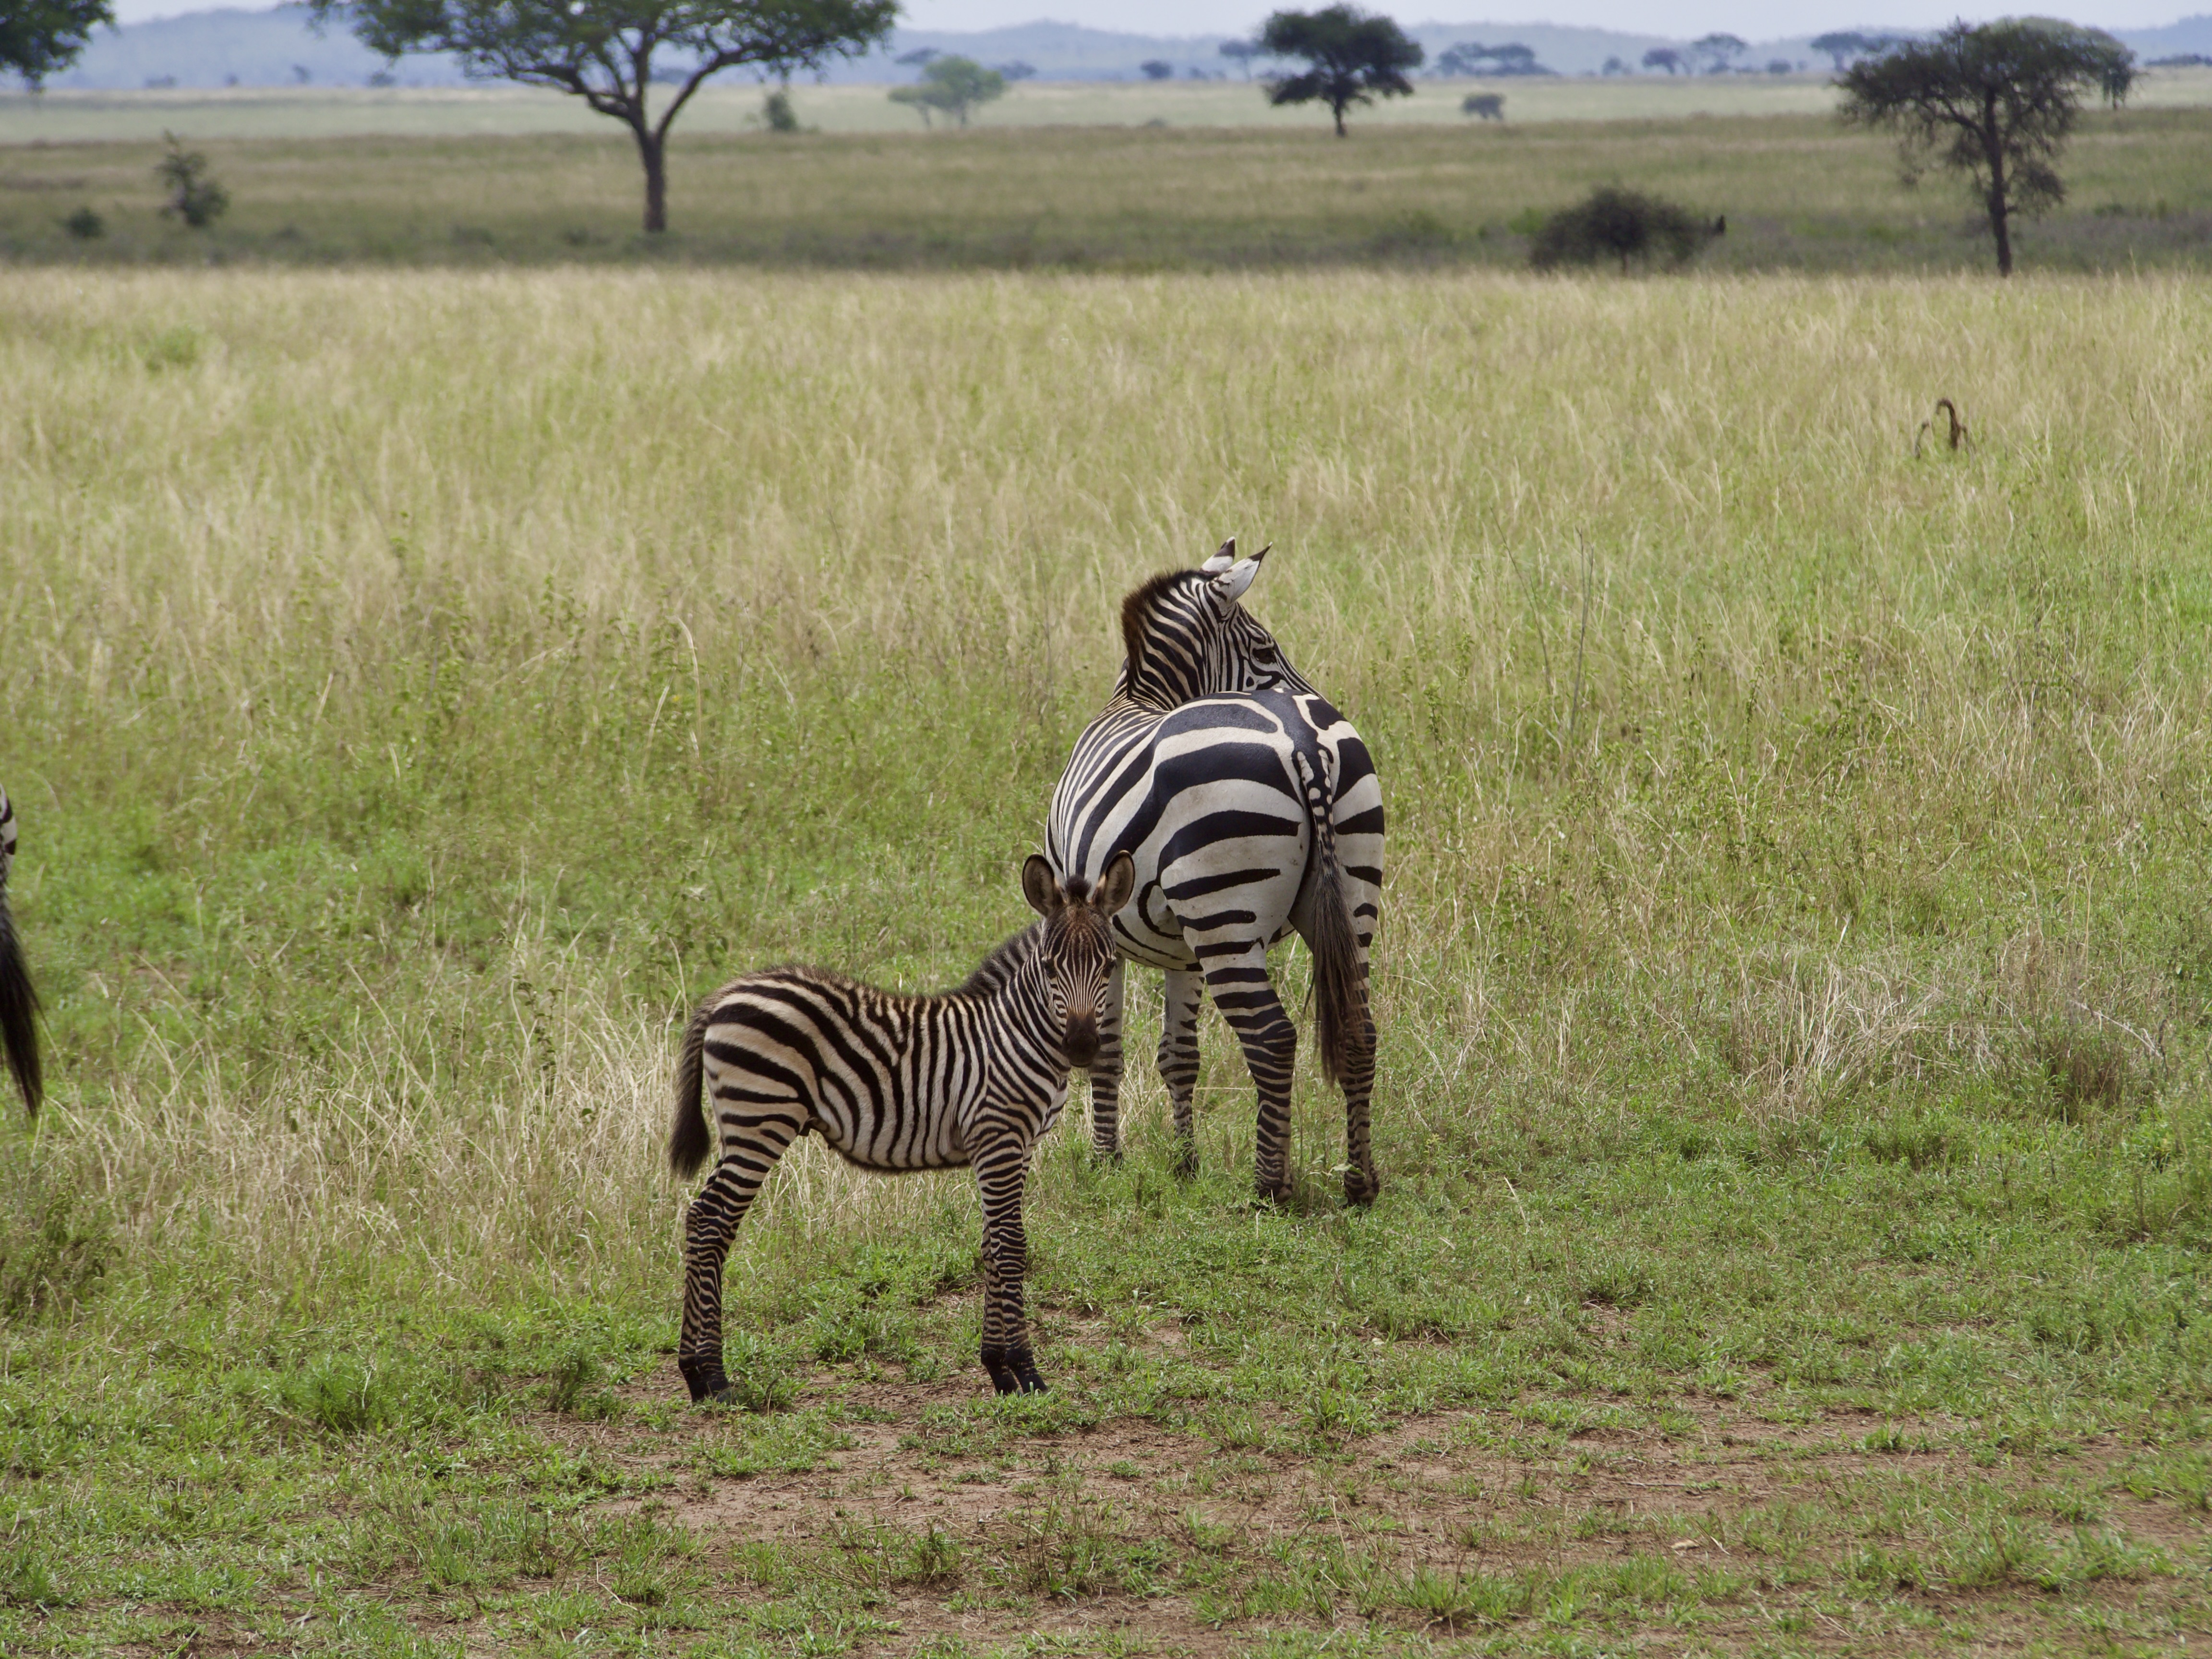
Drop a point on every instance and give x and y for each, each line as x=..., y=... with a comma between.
x=278, y=47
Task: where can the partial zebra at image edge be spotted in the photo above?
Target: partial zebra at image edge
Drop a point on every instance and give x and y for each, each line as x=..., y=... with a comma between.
x=19, y=998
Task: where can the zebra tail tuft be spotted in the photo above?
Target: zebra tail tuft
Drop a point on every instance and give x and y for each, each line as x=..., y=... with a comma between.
x=18, y=1010
x=1340, y=999
x=689, y=1141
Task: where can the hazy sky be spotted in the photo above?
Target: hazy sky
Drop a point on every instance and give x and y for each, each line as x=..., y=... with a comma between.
x=1756, y=20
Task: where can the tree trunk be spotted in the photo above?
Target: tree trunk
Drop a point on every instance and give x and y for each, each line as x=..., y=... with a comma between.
x=653, y=150
x=2000, y=210
x=1337, y=110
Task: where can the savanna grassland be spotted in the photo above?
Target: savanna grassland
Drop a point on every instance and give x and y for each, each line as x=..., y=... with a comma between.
x=411, y=185
x=1795, y=1113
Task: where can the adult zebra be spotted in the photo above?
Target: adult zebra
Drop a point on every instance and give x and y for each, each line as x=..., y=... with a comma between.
x=1252, y=808
x=19, y=1002
x=974, y=1076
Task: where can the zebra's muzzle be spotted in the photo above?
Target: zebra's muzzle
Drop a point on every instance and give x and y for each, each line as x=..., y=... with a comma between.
x=1080, y=1045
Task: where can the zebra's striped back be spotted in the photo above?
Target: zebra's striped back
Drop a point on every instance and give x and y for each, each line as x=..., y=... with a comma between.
x=892, y=1082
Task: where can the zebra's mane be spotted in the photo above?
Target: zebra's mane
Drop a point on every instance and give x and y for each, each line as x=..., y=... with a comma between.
x=995, y=969
x=1137, y=613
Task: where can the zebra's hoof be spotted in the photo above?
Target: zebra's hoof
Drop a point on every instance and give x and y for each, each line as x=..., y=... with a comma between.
x=705, y=1379
x=1013, y=1370
x=1361, y=1190
x=1185, y=1167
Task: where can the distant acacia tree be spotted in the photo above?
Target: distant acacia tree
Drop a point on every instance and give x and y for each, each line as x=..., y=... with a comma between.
x=1614, y=66
x=1842, y=45
x=602, y=51
x=1352, y=59
x=1663, y=57
x=38, y=38
x=1719, y=51
x=1017, y=70
x=1241, y=53
x=951, y=86
x=1155, y=69
x=1994, y=102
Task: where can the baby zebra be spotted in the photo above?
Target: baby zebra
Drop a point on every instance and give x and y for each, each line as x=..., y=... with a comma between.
x=971, y=1076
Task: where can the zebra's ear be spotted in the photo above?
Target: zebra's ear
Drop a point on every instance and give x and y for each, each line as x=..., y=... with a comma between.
x=1223, y=558
x=1039, y=886
x=1116, y=884
x=1230, y=586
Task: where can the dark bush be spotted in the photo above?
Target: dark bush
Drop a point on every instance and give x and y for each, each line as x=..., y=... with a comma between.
x=1618, y=224
x=84, y=224
x=194, y=196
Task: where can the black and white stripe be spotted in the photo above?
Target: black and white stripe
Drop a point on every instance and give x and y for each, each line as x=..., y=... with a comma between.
x=18, y=1002
x=974, y=1076
x=1252, y=809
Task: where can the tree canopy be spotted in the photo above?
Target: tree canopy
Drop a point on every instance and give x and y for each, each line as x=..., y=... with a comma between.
x=951, y=86
x=1994, y=102
x=1719, y=51
x=40, y=37
x=603, y=50
x=1352, y=59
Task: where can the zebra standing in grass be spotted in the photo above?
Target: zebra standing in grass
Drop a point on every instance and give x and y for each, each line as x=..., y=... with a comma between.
x=1252, y=809
x=973, y=1076
x=19, y=1002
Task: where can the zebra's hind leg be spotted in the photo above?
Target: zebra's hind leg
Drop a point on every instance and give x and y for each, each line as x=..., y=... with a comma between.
x=709, y=1226
x=1247, y=1001
x=1179, y=1060
x=1106, y=1072
x=1001, y=1170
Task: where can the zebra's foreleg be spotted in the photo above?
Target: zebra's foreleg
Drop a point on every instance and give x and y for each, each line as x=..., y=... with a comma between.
x=1247, y=1001
x=1179, y=1060
x=1000, y=1174
x=709, y=1226
x=1106, y=1072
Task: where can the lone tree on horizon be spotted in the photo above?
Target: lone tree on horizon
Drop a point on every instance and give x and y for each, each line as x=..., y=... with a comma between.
x=602, y=51
x=953, y=86
x=1353, y=59
x=1994, y=102
x=40, y=37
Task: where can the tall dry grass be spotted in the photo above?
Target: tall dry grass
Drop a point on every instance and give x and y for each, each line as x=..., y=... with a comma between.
x=418, y=685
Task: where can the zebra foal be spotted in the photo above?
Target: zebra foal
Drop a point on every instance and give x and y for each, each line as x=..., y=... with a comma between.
x=18, y=1002
x=971, y=1076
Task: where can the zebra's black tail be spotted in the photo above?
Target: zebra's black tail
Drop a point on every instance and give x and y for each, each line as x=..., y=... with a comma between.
x=18, y=1010
x=689, y=1141
x=1339, y=996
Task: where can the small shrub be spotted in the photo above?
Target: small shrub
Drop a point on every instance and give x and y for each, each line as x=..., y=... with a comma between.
x=55, y=1239
x=1484, y=106
x=760, y=1376
x=26, y=1575
x=576, y=1375
x=172, y=348
x=1618, y=224
x=194, y=196
x=85, y=225
x=776, y=112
